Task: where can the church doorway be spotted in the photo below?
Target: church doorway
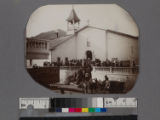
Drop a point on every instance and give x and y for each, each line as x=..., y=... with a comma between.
x=89, y=54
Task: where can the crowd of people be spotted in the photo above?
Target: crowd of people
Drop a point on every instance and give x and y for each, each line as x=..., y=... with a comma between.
x=96, y=62
x=83, y=76
x=83, y=79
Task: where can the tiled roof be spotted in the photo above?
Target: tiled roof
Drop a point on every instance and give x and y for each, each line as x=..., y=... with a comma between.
x=56, y=42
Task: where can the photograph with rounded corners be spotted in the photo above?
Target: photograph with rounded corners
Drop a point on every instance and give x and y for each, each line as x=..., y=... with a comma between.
x=86, y=49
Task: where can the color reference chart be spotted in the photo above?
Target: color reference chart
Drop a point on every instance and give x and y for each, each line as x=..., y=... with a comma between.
x=65, y=110
x=77, y=105
x=74, y=105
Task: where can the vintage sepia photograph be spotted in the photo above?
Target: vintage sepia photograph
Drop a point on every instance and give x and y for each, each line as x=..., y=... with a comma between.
x=83, y=48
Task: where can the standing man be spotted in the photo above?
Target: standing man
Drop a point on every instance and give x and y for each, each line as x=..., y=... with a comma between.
x=106, y=83
x=88, y=75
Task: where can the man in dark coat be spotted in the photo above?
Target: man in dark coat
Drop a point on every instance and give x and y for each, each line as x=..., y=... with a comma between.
x=106, y=83
x=88, y=76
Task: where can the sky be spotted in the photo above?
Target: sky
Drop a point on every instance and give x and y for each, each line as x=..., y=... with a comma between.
x=105, y=16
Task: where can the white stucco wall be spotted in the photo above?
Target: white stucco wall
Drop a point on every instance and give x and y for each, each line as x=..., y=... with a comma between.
x=103, y=44
x=97, y=40
x=65, y=73
x=100, y=75
x=113, y=76
x=66, y=49
x=122, y=47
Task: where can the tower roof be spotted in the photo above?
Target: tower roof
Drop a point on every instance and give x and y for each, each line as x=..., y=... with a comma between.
x=73, y=18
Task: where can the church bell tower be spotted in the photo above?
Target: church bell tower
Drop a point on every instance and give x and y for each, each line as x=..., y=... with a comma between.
x=73, y=21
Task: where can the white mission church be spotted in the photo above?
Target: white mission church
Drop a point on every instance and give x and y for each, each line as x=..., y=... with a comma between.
x=86, y=42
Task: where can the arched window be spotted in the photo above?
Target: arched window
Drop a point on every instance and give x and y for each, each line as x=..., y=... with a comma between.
x=39, y=45
x=42, y=44
x=45, y=45
x=36, y=44
x=89, y=54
